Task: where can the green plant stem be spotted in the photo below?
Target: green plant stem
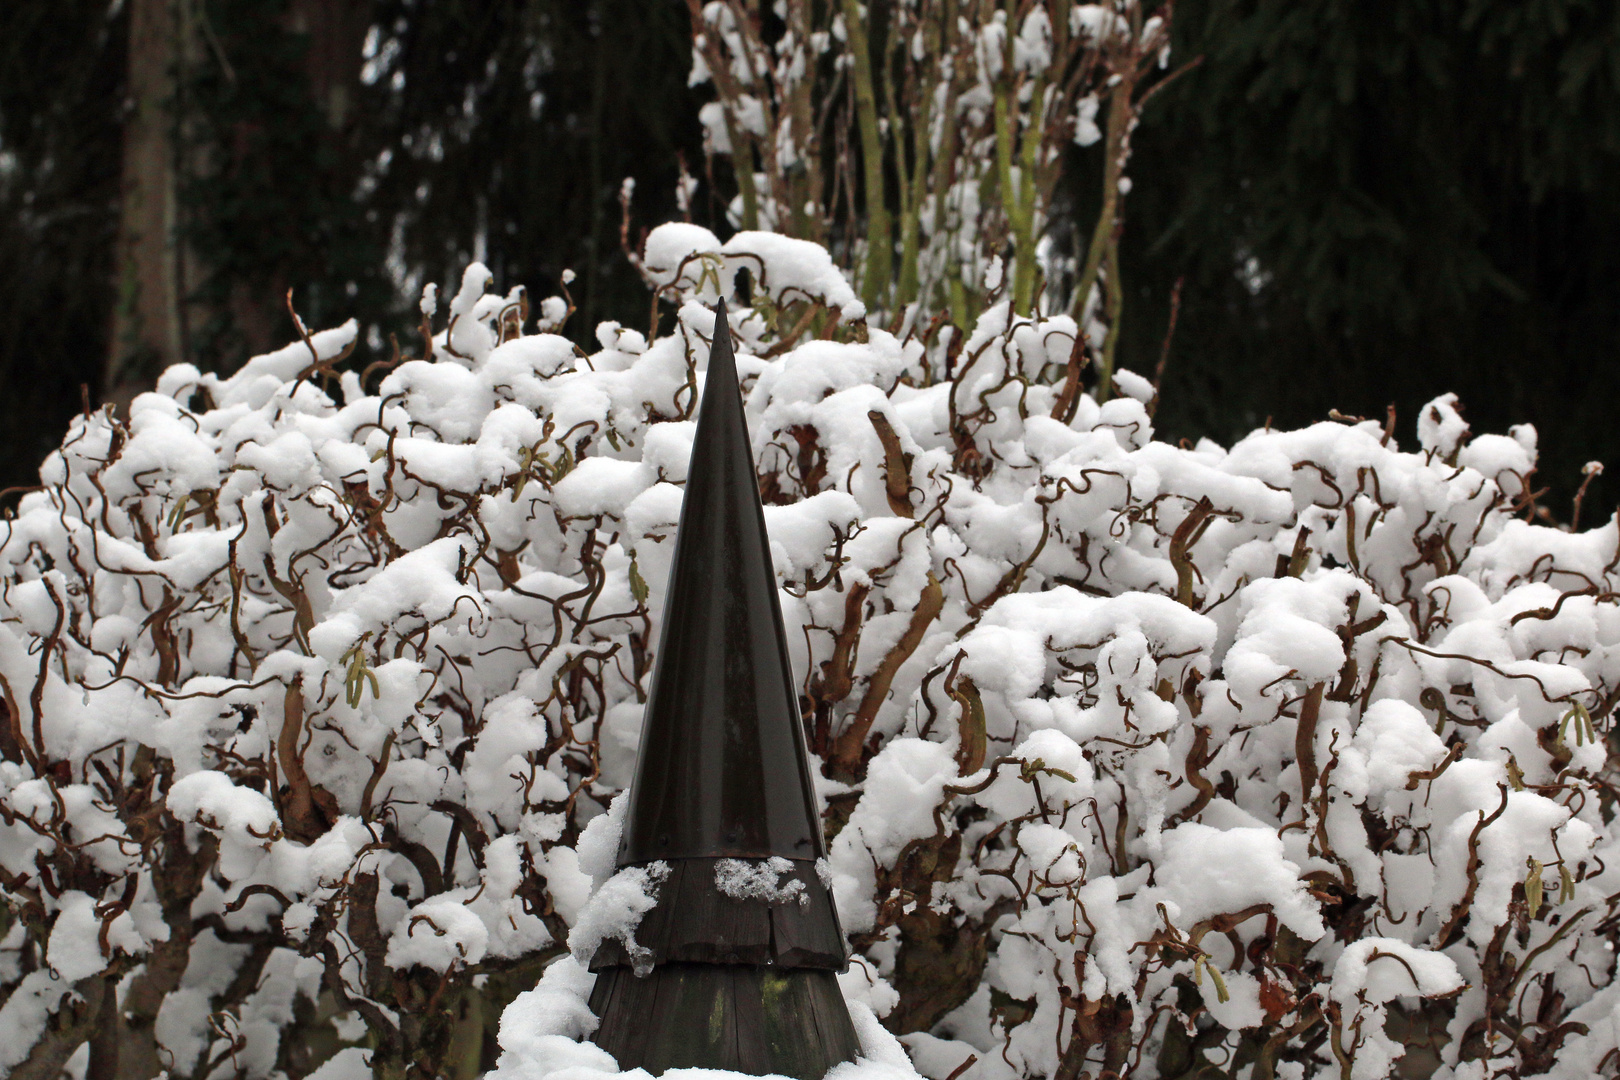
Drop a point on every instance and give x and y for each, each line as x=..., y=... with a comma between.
x=805, y=187
x=944, y=167
x=912, y=200
x=742, y=163
x=879, y=256
x=1103, y=235
x=1118, y=116
x=1113, y=306
x=1004, y=181
x=1024, y=282
x=1018, y=199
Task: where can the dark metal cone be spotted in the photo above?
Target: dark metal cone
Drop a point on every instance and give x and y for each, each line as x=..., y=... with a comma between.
x=738, y=983
x=723, y=768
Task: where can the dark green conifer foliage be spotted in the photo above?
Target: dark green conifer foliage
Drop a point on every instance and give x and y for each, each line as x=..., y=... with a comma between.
x=519, y=119
x=61, y=71
x=1427, y=189
x=496, y=129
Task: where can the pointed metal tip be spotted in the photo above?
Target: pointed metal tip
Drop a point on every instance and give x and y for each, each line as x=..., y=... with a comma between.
x=722, y=351
x=722, y=325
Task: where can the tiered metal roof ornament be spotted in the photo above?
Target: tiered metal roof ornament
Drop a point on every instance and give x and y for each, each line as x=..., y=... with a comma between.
x=744, y=941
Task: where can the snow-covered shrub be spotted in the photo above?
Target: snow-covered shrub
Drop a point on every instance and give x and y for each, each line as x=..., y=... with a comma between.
x=965, y=115
x=1137, y=757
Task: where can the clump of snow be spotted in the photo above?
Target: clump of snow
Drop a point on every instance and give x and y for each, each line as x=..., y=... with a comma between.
x=1371, y=973
x=615, y=910
x=685, y=256
x=748, y=879
x=1133, y=385
x=599, y=842
x=244, y=819
x=1207, y=871
x=682, y=255
x=438, y=934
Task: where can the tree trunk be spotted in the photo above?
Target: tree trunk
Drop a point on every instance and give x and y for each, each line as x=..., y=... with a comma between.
x=337, y=36
x=146, y=330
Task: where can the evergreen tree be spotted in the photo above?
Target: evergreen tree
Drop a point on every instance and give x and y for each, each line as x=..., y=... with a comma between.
x=61, y=79
x=1372, y=204
x=493, y=131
